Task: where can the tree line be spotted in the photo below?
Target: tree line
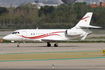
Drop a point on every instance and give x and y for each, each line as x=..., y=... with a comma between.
x=63, y=16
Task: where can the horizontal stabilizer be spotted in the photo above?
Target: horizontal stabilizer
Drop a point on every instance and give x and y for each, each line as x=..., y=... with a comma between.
x=89, y=26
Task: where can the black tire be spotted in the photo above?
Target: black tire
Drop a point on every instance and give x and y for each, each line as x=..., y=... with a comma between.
x=18, y=46
x=55, y=45
x=49, y=45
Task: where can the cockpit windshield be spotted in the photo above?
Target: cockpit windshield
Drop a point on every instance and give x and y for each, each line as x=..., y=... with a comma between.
x=15, y=33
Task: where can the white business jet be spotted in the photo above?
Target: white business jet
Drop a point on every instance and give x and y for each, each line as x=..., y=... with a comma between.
x=81, y=30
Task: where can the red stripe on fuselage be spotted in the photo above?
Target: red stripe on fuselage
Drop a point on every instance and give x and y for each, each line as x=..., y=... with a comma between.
x=44, y=35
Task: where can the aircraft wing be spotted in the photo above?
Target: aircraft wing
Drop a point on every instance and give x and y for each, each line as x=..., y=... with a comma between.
x=54, y=40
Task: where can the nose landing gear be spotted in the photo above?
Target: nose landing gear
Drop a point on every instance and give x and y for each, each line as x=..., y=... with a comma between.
x=18, y=44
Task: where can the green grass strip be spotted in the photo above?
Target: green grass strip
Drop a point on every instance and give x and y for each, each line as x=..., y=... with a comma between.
x=53, y=59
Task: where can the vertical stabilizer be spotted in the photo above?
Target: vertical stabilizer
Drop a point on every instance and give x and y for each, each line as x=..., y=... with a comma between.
x=85, y=21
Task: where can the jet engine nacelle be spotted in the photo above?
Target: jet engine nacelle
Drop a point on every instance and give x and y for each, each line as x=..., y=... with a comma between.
x=73, y=33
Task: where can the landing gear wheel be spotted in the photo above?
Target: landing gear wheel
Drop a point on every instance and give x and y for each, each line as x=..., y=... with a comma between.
x=18, y=46
x=48, y=44
x=55, y=45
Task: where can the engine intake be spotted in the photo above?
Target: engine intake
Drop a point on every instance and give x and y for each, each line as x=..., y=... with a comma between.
x=73, y=33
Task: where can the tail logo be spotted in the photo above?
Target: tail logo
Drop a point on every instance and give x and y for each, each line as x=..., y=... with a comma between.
x=85, y=20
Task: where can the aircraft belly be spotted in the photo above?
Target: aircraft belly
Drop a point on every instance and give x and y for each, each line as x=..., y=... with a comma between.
x=75, y=37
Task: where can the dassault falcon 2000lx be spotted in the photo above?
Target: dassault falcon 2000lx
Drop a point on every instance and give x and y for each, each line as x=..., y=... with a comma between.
x=81, y=30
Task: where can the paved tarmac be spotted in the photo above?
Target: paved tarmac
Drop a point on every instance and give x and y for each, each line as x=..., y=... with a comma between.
x=53, y=69
x=70, y=64
x=41, y=47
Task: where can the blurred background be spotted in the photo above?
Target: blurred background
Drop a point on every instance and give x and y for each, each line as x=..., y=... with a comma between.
x=50, y=14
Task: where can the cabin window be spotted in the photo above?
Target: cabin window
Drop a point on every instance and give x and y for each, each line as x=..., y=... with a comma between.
x=31, y=33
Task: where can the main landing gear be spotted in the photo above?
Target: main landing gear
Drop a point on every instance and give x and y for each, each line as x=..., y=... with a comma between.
x=48, y=44
x=55, y=45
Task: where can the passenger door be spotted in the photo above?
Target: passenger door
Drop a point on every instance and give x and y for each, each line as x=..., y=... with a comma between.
x=24, y=33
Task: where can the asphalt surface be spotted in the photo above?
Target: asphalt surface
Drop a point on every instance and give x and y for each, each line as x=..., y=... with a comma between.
x=53, y=69
x=71, y=64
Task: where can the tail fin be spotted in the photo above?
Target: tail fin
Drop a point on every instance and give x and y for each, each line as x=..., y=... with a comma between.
x=85, y=21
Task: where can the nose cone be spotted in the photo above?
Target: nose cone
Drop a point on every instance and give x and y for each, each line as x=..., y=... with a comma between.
x=6, y=38
x=12, y=37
